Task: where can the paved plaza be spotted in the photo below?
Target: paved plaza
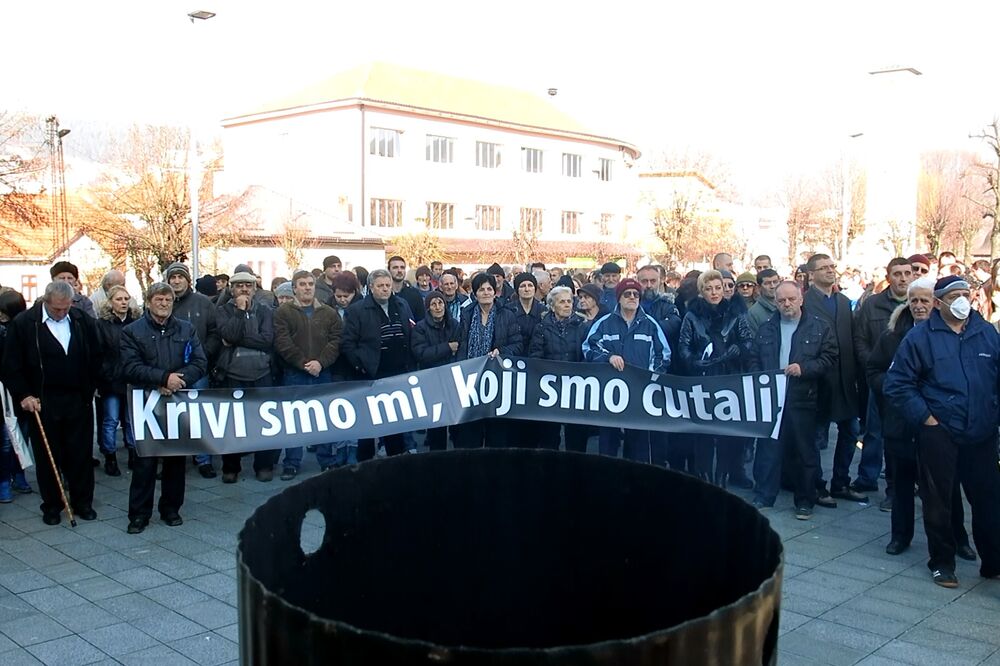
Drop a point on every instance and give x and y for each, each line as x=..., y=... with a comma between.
x=95, y=595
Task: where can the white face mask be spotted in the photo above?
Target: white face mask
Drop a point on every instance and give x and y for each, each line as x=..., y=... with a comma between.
x=961, y=307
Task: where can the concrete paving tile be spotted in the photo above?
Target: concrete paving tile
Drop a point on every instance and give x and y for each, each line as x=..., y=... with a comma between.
x=873, y=660
x=52, y=598
x=921, y=655
x=207, y=649
x=210, y=614
x=29, y=629
x=99, y=587
x=6, y=644
x=832, y=581
x=927, y=600
x=817, y=591
x=83, y=618
x=232, y=632
x=68, y=651
x=141, y=578
x=180, y=568
x=70, y=572
x=217, y=559
x=888, y=609
x=956, y=645
x=159, y=655
x=830, y=632
x=25, y=581
x=19, y=657
x=821, y=651
x=109, y=563
x=791, y=620
x=855, y=619
x=130, y=607
x=855, y=572
x=961, y=609
x=977, y=631
x=805, y=605
x=216, y=585
x=168, y=626
x=176, y=595
x=13, y=607
x=186, y=546
x=118, y=639
x=80, y=549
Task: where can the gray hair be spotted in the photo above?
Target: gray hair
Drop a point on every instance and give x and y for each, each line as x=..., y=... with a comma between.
x=58, y=290
x=921, y=283
x=376, y=274
x=555, y=293
x=112, y=278
x=157, y=289
x=541, y=275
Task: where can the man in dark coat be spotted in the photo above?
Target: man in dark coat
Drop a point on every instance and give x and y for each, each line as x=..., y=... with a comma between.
x=802, y=345
x=839, y=393
x=943, y=379
x=200, y=312
x=870, y=322
x=397, y=270
x=377, y=344
x=51, y=366
x=162, y=353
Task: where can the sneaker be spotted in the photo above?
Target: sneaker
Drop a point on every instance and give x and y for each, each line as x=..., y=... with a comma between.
x=207, y=471
x=289, y=473
x=20, y=484
x=849, y=494
x=885, y=505
x=944, y=578
x=803, y=513
x=760, y=504
x=230, y=477
x=824, y=500
x=265, y=475
x=6, y=494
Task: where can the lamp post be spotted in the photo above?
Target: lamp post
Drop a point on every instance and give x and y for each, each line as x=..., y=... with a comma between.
x=847, y=200
x=194, y=170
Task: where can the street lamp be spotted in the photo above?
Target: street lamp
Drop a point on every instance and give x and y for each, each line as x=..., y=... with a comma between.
x=194, y=169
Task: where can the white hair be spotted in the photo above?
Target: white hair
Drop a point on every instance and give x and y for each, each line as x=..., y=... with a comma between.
x=920, y=283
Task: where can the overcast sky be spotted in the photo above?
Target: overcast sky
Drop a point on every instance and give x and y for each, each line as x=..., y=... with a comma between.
x=771, y=87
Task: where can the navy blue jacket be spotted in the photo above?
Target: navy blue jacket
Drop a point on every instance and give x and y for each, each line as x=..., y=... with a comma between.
x=559, y=343
x=430, y=341
x=506, y=333
x=813, y=348
x=950, y=375
x=663, y=310
x=151, y=351
x=641, y=343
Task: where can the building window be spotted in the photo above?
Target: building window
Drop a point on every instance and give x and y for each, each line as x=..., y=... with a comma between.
x=488, y=218
x=487, y=155
x=571, y=165
x=570, y=222
x=29, y=287
x=384, y=142
x=531, y=221
x=604, y=172
x=440, y=149
x=386, y=213
x=605, y=224
x=440, y=215
x=531, y=160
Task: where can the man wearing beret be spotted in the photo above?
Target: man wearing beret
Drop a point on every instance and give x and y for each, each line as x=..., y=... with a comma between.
x=943, y=380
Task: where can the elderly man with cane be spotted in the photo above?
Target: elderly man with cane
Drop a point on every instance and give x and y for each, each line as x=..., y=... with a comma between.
x=51, y=364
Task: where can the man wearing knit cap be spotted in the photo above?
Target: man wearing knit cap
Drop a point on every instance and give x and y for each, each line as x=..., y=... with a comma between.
x=746, y=288
x=611, y=274
x=943, y=380
x=627, y=336
x=324, y=284
x=504, y=291
x=200, y=312
x=920, y=265
x=64, y=271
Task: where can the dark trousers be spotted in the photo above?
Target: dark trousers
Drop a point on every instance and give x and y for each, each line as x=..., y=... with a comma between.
x=795, y=448
x=635, y=443
x=680, y=452
x=551, y=434
x=659, y=445
x=476, y=434
x=848, y=432
x=140, y=492
x=231, y=462
x=437, y=439
x=943, y=463
x=69, y=427
x=394, y=445
x=524, y=434
x=903, y=504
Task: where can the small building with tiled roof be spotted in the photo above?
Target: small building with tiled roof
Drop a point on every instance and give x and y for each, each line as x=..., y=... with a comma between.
x=391, y=151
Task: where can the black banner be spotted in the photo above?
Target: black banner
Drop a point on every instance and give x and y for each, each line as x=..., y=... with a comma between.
x=217, y=421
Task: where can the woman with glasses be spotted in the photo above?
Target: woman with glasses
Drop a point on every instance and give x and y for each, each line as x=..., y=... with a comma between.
x=715, y=339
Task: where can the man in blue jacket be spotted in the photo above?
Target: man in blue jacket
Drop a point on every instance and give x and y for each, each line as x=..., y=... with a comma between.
x=627, y=336
x=943, y=380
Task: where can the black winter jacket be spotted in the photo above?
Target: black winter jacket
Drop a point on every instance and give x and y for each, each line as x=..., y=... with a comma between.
x=870, y=321
x=249, y=342
x=23, y=370
x=201, y=312
x=430, y=341
x=813, y=349
x=361, y=343
x=664, y=312
x=506, y=333
x=725, y=327
x=898, y=435
x=151, y=351
x=109, y=333
x=526, y=321
x=559, y=342
x=839, y=390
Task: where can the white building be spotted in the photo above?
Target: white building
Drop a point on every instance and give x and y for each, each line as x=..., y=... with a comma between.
x=394, y=151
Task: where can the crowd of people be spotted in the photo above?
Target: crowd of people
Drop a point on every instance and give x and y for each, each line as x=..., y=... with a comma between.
x=907, y=365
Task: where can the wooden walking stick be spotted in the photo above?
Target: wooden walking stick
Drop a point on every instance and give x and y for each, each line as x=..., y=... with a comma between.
x=55, y=470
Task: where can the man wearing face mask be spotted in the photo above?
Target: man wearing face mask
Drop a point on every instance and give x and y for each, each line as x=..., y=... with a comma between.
x=943, y=380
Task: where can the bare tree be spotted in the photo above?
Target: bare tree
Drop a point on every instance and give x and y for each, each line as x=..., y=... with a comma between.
x=989, y=169
x=946, y=180
x=22, y=169
x=293, y=240
x=419, y=248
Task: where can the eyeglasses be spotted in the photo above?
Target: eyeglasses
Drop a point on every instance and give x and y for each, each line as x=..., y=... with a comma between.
x=630, y=293
x=744, y=285
x=921, y=269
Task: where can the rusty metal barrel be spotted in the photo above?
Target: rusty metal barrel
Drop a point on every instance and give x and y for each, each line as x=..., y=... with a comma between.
x=507, y=557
